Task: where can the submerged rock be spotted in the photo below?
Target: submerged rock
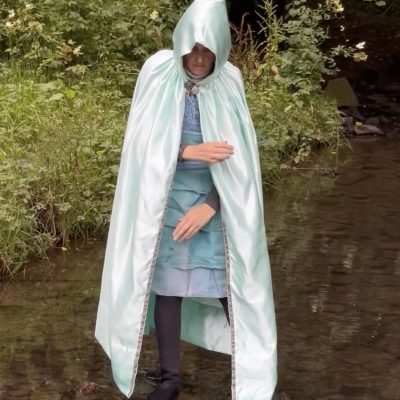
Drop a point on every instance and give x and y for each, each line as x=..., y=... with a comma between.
x=377, y=98
x=363, y=129
x=372, y=121
x=341, y=90
x=348, y=125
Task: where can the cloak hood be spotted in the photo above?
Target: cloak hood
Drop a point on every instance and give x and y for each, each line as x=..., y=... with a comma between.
x=205, y=22
x=148, y=163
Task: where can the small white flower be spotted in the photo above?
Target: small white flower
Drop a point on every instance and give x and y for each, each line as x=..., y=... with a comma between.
x=336, y=5
x=360, y=45
x=154, y=15
x=9, y=24
x=360, y=56
x=29, y=6
x=11, y=13
x=77, y=50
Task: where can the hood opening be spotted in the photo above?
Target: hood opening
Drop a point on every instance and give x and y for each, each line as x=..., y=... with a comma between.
x=205, y=22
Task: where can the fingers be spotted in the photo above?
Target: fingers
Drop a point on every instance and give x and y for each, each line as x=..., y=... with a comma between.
x=185, y=230
x=216, y=158
x=210, y=152
x=190, y=232
x=195, y=218
x=185, y=234
x=219, y=151
x=221, y=147
x=221, y=144
x=180, y=230
x=221, y=155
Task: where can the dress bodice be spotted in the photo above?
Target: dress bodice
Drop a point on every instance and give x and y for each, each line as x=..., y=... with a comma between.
x=191, y=131
x=191, y=117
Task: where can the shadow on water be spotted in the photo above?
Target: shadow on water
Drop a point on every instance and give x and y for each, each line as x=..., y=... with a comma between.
x=335, y=255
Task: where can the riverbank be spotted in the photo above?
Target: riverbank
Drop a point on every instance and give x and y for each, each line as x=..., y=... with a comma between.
x=61, y=141
x=65, y=95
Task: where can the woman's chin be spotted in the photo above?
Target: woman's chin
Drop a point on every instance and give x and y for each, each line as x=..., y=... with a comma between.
x=199, y=72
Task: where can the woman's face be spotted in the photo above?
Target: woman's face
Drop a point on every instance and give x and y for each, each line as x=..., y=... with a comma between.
x=200, y=61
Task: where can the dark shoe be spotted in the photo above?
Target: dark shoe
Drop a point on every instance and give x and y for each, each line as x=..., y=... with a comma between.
x=166, y=390
x=154, y=376
x=280, y=396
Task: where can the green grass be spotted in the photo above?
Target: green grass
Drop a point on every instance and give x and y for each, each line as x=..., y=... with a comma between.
x=59, y=155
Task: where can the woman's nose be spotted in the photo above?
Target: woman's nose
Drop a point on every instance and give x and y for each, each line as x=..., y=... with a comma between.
x=199, y=58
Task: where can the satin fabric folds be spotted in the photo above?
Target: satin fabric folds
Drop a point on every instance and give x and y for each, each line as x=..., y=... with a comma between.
x=148, y=163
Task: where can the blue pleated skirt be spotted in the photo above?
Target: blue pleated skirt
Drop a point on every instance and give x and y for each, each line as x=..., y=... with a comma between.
x=194, y=267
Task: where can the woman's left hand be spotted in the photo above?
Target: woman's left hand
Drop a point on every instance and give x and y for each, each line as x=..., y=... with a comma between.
x=193, y=221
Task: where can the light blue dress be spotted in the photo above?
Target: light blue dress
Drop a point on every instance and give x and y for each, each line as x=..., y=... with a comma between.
x=194, y=267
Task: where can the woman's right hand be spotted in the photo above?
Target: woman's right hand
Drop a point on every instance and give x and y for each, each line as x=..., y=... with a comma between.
x=210, y=152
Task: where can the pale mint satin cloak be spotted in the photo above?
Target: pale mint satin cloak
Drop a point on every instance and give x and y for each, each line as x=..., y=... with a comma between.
x=148, y=163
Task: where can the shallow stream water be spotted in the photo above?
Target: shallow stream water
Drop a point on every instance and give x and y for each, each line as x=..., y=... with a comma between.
x=335, y=256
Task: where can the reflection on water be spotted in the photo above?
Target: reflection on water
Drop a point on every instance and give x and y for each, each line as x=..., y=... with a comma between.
x=335, y=254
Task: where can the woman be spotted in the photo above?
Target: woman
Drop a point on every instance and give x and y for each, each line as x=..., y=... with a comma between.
x=188, y=219
x=191, y=259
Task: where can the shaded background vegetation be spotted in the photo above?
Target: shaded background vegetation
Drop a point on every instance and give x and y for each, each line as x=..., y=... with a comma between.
x=68, y=69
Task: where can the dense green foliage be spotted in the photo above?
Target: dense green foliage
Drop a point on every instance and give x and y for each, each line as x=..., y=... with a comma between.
x=290, y=112
x=60, y=148
x=65, y=87
x=53, y=33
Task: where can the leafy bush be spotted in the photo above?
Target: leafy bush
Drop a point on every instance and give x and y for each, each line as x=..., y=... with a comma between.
x=59, y=157
x=290, y=112
x=55, y=34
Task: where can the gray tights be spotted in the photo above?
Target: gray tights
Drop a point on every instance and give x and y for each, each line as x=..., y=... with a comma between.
x=167, y=318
